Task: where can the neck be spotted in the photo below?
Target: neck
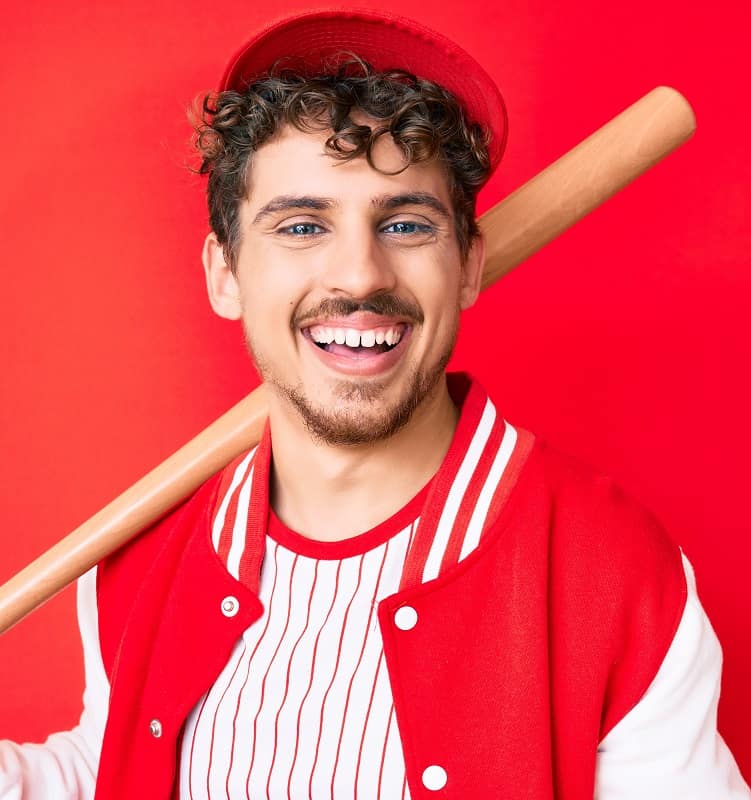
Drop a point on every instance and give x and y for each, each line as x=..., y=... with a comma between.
x=332, y=492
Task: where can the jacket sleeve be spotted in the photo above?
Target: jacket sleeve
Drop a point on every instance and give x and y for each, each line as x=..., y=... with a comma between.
x=65, y=766
x=668, y=744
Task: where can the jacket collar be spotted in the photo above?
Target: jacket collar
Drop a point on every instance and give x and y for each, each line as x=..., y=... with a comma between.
x=466, y=494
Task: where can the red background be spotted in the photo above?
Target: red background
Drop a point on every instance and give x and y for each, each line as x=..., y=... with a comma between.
x=625, y=341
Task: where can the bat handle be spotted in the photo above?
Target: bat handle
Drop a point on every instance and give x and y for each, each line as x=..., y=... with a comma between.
x=135, y=509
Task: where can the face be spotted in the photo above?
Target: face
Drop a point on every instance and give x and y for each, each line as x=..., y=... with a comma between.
x=348, y=282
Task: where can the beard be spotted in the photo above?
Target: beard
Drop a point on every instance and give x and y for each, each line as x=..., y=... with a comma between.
x=369, y=418
x=366, y=416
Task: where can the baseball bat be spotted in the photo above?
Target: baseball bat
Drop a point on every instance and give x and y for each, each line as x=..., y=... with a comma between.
x=517, y=227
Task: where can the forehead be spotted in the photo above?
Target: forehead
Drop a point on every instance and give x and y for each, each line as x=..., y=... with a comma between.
x=297, y=162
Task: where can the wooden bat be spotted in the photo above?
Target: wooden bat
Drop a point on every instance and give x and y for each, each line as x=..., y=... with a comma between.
x=519, y=226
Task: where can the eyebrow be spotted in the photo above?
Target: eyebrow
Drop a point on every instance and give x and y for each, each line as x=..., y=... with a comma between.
x=386, y=202
x=390, y=202
x=287, y=202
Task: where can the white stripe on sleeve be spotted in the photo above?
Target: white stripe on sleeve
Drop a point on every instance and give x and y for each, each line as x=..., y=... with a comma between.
x=65, y=766
x=668, y=746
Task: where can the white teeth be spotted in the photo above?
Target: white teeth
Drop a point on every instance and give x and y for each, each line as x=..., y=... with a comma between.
x=320, y=335
x=325, y=335
x=392, y=336
x=355, y=338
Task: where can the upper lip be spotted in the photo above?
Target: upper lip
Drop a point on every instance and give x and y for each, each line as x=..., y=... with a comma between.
x=360, y=320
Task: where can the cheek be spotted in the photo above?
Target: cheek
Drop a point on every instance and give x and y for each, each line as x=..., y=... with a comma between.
x=269, y=326
x=442, y=292
x=271, y=295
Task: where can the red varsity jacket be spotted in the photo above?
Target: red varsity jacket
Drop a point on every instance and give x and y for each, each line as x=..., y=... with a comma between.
x=525, y=654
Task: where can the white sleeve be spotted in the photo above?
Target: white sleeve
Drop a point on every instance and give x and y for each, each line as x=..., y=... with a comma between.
x=668, y=746
x=65, y=766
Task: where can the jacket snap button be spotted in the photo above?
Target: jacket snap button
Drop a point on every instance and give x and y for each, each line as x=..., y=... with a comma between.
x=434, y=777
x=405, y=618
x=156, y=728
x=230, y=606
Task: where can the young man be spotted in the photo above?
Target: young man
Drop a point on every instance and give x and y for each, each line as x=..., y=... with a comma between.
x=397, y=594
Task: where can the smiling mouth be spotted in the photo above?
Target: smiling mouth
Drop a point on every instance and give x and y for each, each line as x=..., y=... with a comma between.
x=353, y=342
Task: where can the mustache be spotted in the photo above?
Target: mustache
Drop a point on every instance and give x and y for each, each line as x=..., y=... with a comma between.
x=387, y=305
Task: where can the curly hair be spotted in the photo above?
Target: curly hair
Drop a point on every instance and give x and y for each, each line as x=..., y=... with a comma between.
x=425, y=120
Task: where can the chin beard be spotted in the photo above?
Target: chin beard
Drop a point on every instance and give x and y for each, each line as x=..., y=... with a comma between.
x=371, y=420
x=368, y=418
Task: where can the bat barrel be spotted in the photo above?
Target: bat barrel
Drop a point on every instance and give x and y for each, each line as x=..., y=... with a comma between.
x=584, y=178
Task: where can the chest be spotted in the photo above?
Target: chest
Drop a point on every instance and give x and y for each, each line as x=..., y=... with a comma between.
x=303, y=707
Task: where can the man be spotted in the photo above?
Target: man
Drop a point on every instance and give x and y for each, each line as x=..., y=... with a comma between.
x=397, y=594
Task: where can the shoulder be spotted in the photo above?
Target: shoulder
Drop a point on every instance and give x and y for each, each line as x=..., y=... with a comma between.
x=122, y=575
x=615, y=579
x=147, y=546
x=593, y=519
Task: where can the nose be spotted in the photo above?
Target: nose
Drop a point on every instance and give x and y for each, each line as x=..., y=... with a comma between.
x=358, y=267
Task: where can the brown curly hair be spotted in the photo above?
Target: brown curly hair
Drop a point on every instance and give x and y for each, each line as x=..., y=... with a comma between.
x=425, y=120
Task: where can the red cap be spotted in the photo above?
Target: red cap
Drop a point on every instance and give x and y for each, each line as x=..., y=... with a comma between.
x=385, y=41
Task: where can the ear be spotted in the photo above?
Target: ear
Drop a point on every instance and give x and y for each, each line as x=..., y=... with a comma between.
x=472, y=269
x=221, y=283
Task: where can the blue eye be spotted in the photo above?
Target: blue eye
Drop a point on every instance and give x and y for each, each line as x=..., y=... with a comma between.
x=302, y=229
x=407, y=228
